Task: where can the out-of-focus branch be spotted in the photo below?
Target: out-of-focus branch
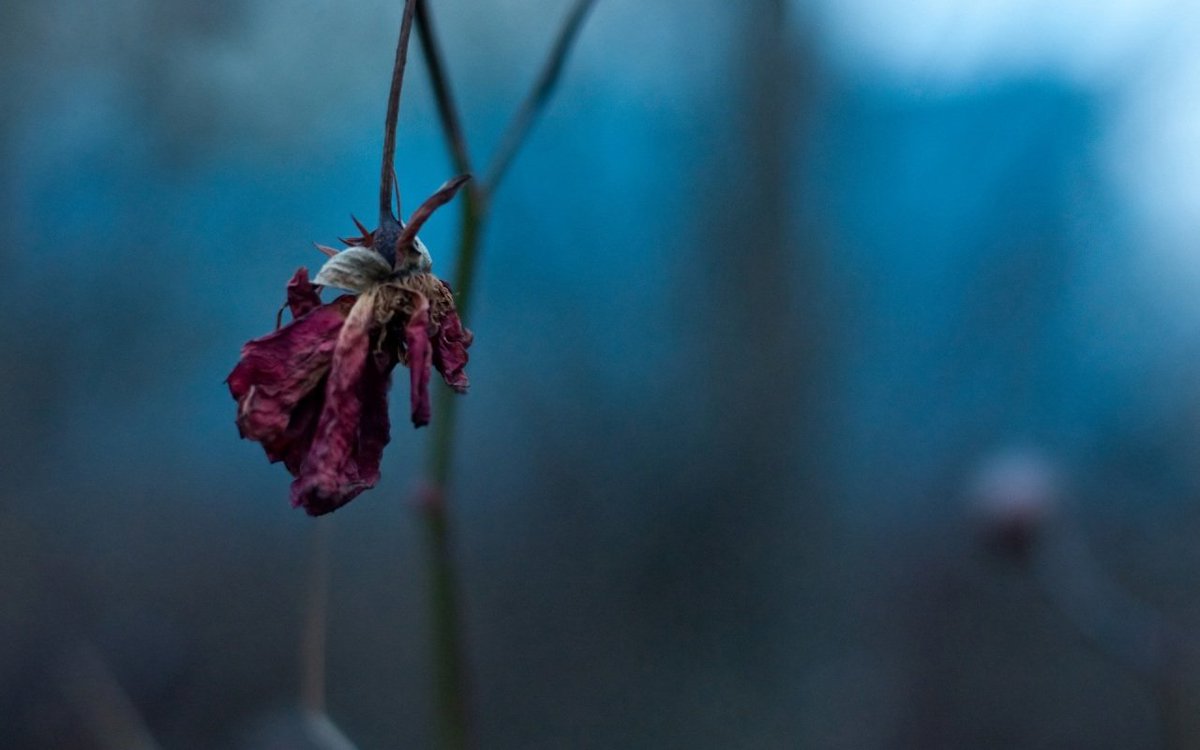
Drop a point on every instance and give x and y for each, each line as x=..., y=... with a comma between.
x=97, y=695
x=324, y=734
x=313, y=638
x=521, y=123
x=1122, y=629
x=450, y=674
x=1016, y=498
x=442, y=92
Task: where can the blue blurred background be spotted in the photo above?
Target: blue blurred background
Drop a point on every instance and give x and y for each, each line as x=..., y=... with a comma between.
x=770, y=293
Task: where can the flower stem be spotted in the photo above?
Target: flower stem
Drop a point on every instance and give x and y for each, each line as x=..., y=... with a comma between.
x=313, y=637
x=450, y=676
x=393, y=114
x=539, y=94
x=451, y=684
x=1122, y=629
x=450, y=673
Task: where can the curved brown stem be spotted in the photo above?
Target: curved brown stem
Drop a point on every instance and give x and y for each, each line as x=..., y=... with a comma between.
x=441, y=197
x=393, y=114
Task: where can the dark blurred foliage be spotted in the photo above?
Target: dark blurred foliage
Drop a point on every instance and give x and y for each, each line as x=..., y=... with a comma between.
x=750, y=322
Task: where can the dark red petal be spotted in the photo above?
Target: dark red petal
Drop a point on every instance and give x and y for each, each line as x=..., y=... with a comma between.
x=278, y=370
x=375, y=429
x=416, y=340
x=293, y=444
x=450, y=351
x=302, y=296
x=361, y=471
x=329, y=477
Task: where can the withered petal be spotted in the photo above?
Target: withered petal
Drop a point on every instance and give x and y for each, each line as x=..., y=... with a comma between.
x=420, y=355
x=278, y=370
x=302, y=296
x=450, y=351
x=375, y=429
x=293, y=444
x=330, y=475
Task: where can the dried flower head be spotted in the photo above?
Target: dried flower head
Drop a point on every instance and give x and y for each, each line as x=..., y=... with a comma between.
x=314, y=392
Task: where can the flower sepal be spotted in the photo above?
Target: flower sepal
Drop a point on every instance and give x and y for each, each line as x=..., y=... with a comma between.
x=356, y=269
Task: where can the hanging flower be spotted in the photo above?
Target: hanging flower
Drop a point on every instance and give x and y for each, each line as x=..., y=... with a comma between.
x=314, y=392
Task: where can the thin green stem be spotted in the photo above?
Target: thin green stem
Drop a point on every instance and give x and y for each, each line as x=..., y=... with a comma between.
x=442, y=450
x=450, y=677
x=450, y=673
x=451, y=684
x=474, y=213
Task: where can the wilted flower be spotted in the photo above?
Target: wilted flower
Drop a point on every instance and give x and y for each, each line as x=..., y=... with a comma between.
x=314, y=392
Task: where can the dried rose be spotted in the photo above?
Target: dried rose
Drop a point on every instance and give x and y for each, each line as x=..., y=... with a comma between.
x=314, y=392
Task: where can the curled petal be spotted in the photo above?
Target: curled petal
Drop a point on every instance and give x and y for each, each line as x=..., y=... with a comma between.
x=375, y=428
x=278, y=370
x=293, y=444
x=329, y=476
x=450, y=351
x=302, y=295
x=416, y=341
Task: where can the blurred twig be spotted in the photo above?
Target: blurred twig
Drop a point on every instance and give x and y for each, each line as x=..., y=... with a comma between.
x=450, y=667
x=324, y=734
x=451, y=122
x=95, y=692
x=521, y=123
x=478, y=194
x=1123, y=630
x=313, y=638
x=318, y=727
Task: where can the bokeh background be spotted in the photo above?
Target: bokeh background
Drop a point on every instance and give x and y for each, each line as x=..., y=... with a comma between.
x=836, y=380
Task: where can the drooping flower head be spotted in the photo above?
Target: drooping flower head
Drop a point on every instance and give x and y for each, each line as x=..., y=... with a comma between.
x=314, y=392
